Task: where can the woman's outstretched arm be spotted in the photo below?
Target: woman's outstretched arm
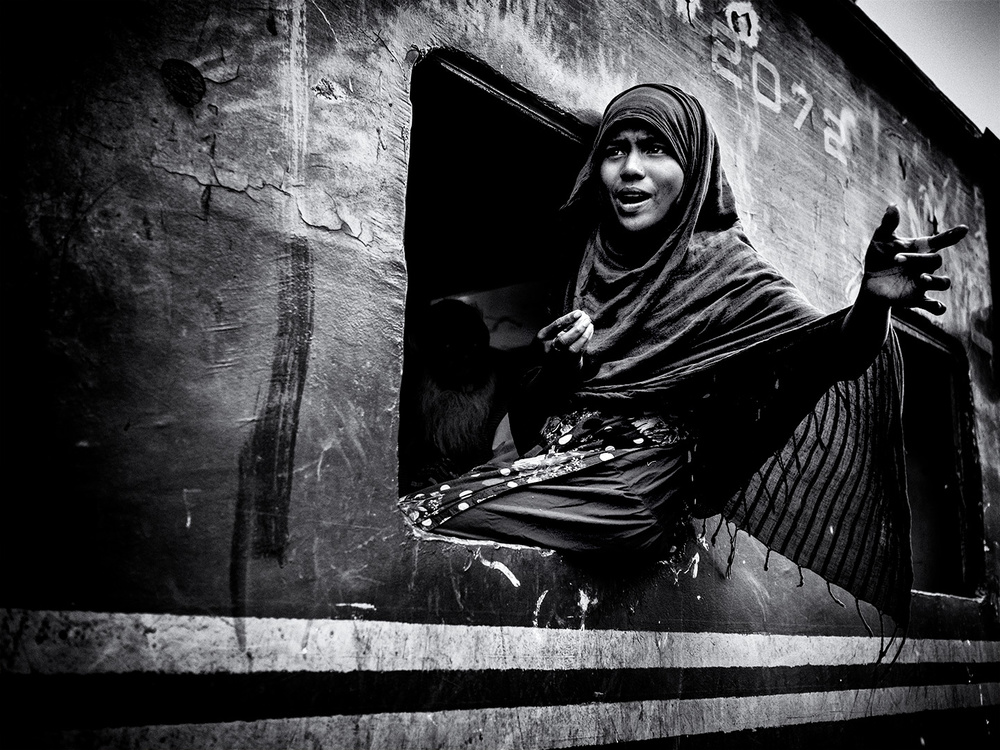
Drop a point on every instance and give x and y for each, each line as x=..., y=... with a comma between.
x=899, y=271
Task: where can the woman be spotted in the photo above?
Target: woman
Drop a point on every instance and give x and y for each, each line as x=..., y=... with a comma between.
x=689, y=377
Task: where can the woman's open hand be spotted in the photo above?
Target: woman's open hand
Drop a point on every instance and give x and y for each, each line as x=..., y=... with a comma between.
x=566, y=337
x=899, y=270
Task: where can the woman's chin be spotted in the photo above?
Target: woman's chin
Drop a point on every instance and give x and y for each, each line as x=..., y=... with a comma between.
x=633, y=223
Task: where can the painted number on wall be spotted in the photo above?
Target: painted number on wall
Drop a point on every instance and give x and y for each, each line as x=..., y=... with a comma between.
x=837, y=133
x=741, y=27
x=726, y=47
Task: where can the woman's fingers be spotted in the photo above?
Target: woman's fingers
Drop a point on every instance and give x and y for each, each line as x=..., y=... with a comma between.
x=568, y=333
x=930, y=305
x=948, y=237
x=938, y=241
x=890, y=223
x=577, y=346
x=885, y=236
x=572, y=334
x=935, y=283
x=890, y=220
x=559, y=324
x=919, y=262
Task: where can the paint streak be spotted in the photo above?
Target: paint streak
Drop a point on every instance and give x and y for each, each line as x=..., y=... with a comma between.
x=267, y=458
x=503, y=569
x=269, y=453
x=538, y=607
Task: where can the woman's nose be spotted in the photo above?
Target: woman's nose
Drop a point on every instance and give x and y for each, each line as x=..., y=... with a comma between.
x=633, y=165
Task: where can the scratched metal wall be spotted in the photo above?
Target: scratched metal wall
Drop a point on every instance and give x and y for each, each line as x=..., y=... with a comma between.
x=204, y=296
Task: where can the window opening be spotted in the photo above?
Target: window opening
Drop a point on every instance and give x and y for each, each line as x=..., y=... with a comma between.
x=942, y=470
x=490, y=164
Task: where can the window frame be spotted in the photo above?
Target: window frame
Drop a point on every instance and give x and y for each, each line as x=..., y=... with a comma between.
x=967, y=470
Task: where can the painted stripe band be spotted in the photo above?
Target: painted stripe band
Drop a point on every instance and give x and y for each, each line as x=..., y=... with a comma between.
x=546, y=726
x=86, y=643
x=142, y=698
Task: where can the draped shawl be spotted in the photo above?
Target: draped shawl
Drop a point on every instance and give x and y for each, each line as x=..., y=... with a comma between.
x=804, y=457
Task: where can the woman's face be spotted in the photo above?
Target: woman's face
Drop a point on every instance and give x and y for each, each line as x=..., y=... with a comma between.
x=641, y=176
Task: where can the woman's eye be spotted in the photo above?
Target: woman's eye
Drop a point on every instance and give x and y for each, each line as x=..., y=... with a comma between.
x=657, y=148
x=613, y=151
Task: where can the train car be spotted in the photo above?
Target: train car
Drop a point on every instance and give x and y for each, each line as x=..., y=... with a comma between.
x=224, y=224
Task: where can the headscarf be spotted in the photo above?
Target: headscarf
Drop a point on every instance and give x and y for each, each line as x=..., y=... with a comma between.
x=811, y=467
x=703, y=293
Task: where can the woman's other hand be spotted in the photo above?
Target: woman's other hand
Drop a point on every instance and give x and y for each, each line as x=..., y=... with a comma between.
x=899, y=270
x=565, y=338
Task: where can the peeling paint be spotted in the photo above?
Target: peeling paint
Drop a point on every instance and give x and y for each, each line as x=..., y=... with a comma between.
x=316, y=209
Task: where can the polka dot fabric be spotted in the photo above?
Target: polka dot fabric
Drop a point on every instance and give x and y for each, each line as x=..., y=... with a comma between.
x=570, y=443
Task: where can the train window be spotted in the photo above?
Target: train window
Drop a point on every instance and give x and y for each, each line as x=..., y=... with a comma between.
x=482, y=266
x=942, y=473
x=480, y=247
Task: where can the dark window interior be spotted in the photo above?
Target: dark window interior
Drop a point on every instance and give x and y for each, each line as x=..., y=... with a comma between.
x=942, y=469
x=490, y=164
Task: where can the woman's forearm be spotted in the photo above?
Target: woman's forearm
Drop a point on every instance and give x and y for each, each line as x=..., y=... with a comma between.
x=863, y=333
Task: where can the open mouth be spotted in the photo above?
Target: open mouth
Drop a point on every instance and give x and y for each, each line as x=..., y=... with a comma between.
x=631, y=199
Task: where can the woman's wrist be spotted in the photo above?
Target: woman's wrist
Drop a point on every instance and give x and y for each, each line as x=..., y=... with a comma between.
x=868, y=301
x=863, y=332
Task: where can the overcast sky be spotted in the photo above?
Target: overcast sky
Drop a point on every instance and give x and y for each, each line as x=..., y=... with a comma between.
x=956, y=43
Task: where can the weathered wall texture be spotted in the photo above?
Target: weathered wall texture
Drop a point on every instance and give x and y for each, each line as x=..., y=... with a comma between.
x=209, y=292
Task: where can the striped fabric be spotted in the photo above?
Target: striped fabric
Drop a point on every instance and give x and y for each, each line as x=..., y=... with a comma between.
x=833, y=498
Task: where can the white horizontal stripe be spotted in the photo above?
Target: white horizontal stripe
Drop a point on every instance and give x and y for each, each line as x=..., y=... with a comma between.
x=83, y=643
x=549, y=726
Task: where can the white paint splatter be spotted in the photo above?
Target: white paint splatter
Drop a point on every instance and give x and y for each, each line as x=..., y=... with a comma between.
x=538, y=607
x=356, y=605
x=429, y=536
x=304, y=650
x=503, y=569
x=187, y=506
x=585, y=602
